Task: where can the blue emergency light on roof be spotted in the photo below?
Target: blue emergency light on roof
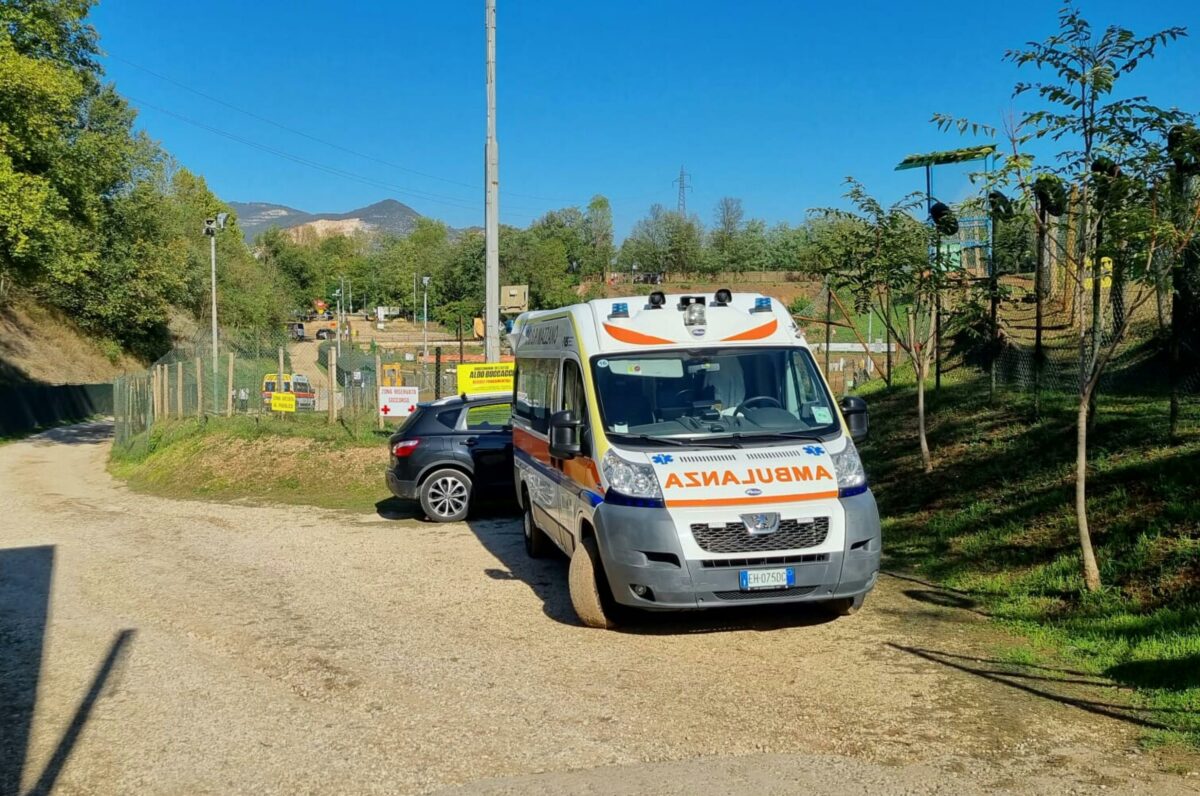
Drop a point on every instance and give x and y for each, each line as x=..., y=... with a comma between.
x=619, y=310
x=762, y=304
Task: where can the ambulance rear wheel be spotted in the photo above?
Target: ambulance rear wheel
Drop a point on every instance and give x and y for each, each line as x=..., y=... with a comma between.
x=589, y=587
x=537, y=543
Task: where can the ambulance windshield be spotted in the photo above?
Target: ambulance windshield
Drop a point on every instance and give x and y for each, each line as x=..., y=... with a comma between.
x=710, y=393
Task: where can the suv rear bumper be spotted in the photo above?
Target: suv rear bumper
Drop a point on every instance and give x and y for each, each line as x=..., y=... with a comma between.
x=626, y=534
x=405, y=490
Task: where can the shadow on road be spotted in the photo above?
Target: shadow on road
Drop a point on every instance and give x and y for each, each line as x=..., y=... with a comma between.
x=1074, y=691
x=547, y=578
x=78, y=434
x=26, y=575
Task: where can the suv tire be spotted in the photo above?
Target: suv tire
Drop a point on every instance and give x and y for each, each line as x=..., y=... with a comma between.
x=446, y=495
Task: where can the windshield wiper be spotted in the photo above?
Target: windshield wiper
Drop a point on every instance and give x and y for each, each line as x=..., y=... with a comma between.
x=689, y=442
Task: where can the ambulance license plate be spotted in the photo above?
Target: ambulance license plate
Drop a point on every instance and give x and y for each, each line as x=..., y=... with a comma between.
x=755, y=579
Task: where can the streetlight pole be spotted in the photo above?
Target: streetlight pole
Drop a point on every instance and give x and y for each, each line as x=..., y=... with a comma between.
x=211, y=227
x=491, y=213
x=341, y=286
x=425, y=320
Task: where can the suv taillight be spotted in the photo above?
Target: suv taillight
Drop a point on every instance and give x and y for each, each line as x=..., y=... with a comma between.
x=405, y=448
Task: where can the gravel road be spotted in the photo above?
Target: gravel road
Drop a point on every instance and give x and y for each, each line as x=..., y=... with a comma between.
x=159, y=646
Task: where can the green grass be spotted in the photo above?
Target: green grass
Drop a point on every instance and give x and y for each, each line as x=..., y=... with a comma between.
x=299, y=460
x=996, y=522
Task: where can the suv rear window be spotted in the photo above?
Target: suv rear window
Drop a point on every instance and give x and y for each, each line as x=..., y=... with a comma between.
x=449, y=418
x=488, y=417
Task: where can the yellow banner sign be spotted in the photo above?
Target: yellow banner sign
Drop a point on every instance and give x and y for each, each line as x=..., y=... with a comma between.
x=283, y=402
x=491, y=377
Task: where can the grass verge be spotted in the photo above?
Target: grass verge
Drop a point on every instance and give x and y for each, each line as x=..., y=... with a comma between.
x=995, y=523
x=300, y=460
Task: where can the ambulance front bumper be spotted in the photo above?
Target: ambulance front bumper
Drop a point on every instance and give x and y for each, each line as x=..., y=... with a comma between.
x=642, y=555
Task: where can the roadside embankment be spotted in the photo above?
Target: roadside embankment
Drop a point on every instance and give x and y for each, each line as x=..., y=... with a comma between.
x=995, y=523
x=299, y=460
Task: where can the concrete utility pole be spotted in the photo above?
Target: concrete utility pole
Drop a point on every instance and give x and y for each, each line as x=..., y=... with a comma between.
x=491, y=214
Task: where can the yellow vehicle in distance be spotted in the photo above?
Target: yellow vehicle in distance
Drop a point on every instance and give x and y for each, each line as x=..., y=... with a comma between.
x=390, y=375
x=306, y=396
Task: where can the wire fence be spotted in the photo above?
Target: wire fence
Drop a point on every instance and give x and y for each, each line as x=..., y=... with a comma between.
x=189, y=382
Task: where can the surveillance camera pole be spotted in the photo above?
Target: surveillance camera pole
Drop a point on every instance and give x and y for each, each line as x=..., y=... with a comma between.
x=210, y=229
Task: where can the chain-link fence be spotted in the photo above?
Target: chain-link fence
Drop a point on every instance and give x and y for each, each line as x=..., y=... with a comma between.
x=335, y=379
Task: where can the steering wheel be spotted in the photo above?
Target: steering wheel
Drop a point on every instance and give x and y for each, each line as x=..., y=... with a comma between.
x=757, y=399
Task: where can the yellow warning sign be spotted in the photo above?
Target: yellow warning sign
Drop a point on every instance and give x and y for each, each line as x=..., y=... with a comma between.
x=476, y=379
x=283, y=402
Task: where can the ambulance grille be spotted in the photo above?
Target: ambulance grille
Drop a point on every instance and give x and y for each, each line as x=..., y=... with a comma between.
x=706, y=458
x=774, y=454
x=734, y=538
x=765, y=561
x=765, y=594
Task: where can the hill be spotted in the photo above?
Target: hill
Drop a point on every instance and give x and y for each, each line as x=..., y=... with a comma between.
x=388, y=215
x=40, y=345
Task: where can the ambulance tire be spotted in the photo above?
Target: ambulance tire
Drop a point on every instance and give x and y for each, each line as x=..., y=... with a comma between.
x=537, y=543
x=846, y=606
x=589, y=587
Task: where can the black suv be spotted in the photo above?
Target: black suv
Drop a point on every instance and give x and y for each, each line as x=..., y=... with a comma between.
x=451, y=451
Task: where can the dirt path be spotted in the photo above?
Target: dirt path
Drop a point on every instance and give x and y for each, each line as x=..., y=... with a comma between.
x=157, y=646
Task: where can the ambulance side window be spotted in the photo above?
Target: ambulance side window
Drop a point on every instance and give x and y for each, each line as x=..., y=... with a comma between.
x=574, y=398
x=537, y=386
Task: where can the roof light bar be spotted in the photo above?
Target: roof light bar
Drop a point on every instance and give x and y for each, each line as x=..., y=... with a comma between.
x=762, y=304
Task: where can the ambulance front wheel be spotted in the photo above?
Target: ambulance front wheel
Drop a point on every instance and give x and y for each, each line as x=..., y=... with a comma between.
x=846, y=606
x=589, y=587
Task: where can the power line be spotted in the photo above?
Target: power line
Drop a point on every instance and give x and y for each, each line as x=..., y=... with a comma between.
x=438, y=198
x=316, y=139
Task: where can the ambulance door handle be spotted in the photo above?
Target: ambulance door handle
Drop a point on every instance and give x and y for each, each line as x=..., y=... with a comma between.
x=471, y=442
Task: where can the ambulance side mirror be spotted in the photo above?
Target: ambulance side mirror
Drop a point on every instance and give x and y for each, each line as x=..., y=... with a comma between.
x=854, y=409
x=564, y=435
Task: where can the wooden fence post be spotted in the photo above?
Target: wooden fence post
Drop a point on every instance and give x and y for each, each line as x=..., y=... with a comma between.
x=378, y=383
x=179, y=389
x=229, y=388
x=332, y=385
x=279, y=375
x=200, y=387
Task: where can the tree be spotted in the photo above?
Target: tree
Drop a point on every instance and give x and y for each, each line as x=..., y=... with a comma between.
x=879, y=253
x=598, y=225
x=1078, y=108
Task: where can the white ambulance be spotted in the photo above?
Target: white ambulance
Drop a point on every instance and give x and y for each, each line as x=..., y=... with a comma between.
x=686, y=453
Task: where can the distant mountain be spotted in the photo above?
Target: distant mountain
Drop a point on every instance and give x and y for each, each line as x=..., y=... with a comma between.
x=386, y=216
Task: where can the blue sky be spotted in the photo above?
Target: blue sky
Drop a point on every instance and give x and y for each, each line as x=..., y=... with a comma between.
x=773, y=102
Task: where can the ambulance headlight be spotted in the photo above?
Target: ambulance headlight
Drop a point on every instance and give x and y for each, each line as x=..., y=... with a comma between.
x=851, y=477
x=630, y=478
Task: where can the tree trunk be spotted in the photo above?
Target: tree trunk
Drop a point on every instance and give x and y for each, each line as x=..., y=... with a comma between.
x=926, y=461
x=1091, y=572
x=1039, y=289
x=1097, y=316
